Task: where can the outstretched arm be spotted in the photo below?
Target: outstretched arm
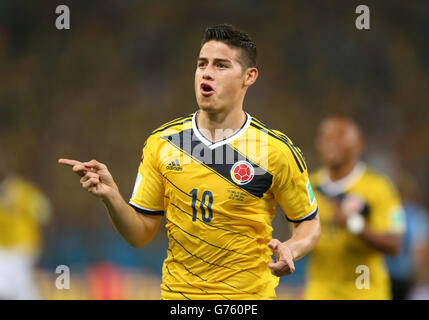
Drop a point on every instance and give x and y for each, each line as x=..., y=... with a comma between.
x=137, y=229
x=305, y=236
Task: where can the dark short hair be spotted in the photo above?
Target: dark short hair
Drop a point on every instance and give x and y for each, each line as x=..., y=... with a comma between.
x=231, y=36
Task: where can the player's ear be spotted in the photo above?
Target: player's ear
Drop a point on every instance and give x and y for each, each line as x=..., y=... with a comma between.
x=251, y=74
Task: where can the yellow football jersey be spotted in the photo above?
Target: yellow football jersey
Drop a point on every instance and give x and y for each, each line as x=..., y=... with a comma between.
x=339, y=259
x=219, y=200
x=22, y=209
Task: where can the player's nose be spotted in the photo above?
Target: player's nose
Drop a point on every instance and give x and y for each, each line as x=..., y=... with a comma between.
x=208, y=73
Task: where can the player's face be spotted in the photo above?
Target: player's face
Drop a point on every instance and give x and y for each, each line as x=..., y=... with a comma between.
x=219, y=77
x=338, y=142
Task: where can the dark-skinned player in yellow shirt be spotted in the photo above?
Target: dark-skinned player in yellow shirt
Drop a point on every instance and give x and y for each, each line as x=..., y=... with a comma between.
x=361, y=216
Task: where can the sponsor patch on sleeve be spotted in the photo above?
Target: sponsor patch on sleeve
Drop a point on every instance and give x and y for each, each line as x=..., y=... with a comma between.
x=310, y=193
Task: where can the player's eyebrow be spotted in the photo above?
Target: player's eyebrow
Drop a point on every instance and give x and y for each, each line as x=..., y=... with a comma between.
x=216, y=60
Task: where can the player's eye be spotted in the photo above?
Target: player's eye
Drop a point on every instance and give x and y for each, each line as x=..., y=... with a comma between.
x=201, y=64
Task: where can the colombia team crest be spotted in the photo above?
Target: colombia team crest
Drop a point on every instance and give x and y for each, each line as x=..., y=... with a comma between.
x=242, y=172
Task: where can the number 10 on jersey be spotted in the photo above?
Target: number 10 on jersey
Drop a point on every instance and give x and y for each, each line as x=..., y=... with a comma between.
x=206, y=197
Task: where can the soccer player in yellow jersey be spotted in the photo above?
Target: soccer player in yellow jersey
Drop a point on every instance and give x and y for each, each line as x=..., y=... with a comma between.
x=23, y=211
x=216, y=174
x=361, y=216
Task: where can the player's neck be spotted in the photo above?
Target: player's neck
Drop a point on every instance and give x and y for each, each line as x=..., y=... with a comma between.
x=219, y=126
x=339, y=172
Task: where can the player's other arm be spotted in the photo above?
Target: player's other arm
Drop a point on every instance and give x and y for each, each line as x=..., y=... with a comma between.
x=383, y=230
x=388, y=243
x=136, y=229
x=385, y=242
x=305, y=235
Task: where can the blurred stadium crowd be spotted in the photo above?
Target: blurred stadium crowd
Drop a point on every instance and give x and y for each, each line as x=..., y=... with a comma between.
x=125, y=67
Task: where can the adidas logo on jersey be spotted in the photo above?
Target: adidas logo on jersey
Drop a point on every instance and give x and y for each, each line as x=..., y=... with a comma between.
x=174, y=165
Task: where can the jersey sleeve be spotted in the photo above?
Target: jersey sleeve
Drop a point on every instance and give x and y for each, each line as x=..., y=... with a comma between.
x=387, y=214
x=292, y=187
x=148, y=193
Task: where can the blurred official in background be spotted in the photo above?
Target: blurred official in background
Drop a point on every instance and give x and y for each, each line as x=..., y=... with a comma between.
x=408, y=271
x=23, y=209
x=361, y=216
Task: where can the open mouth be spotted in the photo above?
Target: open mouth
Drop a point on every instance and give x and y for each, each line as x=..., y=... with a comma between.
x=206, y=89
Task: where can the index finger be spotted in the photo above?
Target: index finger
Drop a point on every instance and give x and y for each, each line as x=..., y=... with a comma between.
x=69, y=162
x=94, y=164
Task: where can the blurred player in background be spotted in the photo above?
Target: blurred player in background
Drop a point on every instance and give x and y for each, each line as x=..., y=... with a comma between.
x=409, y=270
x=217, y=174
x=361, y=215
x=23, y=210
